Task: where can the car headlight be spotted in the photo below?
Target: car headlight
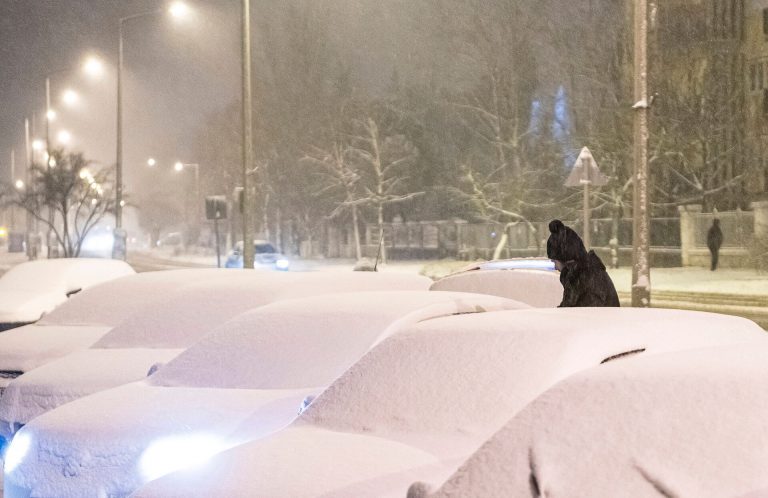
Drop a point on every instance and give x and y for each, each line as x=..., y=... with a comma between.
x=17, y=450
x=282, y=264
x=173, y=453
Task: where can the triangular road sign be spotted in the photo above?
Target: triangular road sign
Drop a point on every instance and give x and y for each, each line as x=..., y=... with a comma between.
x=585, y=171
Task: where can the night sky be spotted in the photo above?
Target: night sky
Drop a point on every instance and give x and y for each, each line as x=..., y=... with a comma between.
x=176, y=73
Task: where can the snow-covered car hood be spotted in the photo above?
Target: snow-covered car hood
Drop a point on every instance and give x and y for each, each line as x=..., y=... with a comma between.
x=21, y=306
x=74, y=376
x=106, y=455
x=690, y=423
x=367, y=466
x=28, y=347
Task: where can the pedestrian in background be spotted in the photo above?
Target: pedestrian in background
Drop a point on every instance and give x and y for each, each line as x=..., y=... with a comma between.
x=585, y=281
x=714, y=242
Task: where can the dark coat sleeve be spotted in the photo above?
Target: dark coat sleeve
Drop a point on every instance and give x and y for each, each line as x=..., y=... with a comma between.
x=714, y=238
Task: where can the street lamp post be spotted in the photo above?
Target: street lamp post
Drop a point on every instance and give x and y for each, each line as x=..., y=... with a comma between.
x=177, y=9
x=248, y=250
x=641, y=267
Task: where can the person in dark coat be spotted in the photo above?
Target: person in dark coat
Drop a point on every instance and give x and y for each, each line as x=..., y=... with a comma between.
x=585, y=281
x=714, y=241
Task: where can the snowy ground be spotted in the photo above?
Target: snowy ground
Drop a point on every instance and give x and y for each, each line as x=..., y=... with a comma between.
x=691, y=279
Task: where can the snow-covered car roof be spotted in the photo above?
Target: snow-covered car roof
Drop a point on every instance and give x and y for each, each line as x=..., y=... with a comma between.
x=540, y=288
x=237, y=356
x=31, y=289
x=262, y=365
x=442, y=388
x=181, y=319
x=689, y=423
x=112, y=302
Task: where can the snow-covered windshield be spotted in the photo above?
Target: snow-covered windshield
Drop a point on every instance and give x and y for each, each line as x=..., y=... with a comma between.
x=308, y=342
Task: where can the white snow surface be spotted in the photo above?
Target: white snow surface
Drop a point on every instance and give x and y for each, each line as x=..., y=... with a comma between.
x=678, y=424
x=30, y=346
x=112, y=302
x=277, y=345
x=187, y=315
x=88, y=315
x=168, y=326
x=272, y=357
x=441, y=387
x=76, y=375
x=539, y=288
x=31, y=289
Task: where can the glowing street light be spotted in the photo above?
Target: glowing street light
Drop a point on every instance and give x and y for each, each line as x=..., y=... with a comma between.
x=151, y=162
x=179, y=166
x=70, y=97
x=19, y=184
x=93, y=67
x=64, y=137
x=178, y=10
x=51, y=115
x=38, y=145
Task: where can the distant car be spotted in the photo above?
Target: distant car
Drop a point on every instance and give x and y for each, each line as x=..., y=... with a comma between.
x=688, y=423
x=258, y=370
x=31, y=289
x=265, y=256
x=533, y=281
x=173, y=239
x=426, y=398
x=159, y=330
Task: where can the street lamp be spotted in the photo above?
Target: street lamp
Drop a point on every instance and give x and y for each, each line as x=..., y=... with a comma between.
x=151, y=162
x=19, y=184
x=70, y=97
x=64, y=137
x=177, y=10
x=93, y=66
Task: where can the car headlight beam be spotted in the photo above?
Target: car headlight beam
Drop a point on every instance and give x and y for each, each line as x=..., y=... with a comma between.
x=173, y=453
x=17, y=451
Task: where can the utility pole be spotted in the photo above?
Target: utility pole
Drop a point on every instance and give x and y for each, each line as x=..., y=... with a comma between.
x=13, y=182
x=641, y=230
x=247, y=136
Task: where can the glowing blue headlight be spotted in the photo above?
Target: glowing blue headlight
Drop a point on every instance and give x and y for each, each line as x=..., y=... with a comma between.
x=173, y=453
x=282, y=264
x=17, y=450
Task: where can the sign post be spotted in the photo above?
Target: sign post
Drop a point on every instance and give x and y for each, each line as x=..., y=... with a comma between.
x=585, y=173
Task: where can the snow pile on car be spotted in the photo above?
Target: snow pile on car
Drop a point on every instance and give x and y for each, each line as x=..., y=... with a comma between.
x=238, y=357
x=679, y=424
x=160, y=330
x=31, y=289
x=539, y=288
x=426, y=398
x=273, y=357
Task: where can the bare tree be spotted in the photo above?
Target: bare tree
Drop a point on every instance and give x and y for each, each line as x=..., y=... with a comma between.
x=381, y=161
x=78, y=194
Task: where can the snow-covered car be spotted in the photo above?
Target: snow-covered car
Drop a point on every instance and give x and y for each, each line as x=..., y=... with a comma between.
x=687, y=423
x=534, y=281
x=243, y=381
x=85, y=318
x=425, y=399
x=265, y=256
x=160, y=330
x=31, y=289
